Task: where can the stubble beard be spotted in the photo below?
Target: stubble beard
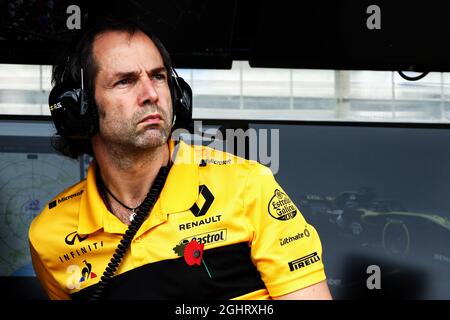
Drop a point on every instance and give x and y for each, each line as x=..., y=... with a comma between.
x=128, y=135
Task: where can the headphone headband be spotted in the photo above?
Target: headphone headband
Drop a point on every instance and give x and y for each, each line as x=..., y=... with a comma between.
x=75, y=113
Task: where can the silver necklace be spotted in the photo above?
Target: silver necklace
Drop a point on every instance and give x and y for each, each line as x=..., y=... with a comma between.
x=133, y=210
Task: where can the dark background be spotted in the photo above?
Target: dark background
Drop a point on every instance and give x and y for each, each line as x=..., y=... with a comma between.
x=282, y=34
x=405, y=165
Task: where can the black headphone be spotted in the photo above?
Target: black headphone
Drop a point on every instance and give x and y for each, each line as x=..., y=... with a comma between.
x=75, y=113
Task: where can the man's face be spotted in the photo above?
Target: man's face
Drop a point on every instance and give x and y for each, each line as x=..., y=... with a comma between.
x=131, y=91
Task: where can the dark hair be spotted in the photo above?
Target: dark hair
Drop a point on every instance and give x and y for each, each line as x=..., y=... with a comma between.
x=79, y=54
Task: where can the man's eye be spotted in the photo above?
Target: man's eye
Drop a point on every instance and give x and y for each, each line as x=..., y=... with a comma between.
x=159, y=77
x=124, y=82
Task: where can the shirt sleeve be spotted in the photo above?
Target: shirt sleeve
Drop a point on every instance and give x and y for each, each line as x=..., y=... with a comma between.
x=48, y=282
x=285, y=249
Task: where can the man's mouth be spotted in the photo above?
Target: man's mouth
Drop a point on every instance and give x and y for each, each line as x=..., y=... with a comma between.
x=151, y=119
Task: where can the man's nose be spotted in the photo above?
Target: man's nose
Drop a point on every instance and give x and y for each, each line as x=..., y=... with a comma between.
x=147, y=92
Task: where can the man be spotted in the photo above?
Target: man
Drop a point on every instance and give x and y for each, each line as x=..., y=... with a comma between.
x=216, y=230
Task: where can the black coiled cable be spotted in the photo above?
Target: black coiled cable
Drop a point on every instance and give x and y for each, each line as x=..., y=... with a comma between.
x=142, y=213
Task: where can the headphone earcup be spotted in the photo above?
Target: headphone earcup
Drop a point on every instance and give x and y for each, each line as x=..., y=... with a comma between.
x=65, y=107
x=182, y=103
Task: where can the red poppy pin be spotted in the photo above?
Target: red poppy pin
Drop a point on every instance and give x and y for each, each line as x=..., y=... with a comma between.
x=192, y=253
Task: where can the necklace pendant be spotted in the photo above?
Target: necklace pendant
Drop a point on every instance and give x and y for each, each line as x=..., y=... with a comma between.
x=132, y=215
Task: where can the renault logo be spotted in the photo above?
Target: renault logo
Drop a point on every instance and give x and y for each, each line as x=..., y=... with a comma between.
x=209, y=199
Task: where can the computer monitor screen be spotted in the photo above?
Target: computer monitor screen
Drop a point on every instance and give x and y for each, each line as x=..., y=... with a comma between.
x=31, y=174
x=379, y=198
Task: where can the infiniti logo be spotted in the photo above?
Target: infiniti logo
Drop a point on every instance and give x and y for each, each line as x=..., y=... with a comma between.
x=71, y=237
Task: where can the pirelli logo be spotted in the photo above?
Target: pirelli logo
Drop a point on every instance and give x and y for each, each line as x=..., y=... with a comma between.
x=304, y=261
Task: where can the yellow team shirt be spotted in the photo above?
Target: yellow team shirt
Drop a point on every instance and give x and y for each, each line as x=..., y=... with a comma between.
x=257, y=244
